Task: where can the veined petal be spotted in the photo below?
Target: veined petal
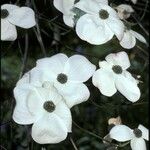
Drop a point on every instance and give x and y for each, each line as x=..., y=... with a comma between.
x=8, y=31
x=90, y=6
x=145, y=132
x=79, y=69
x=78, y=96
x=128, y=87
x=117, y=27
x=128, y=41
x=9, y=7
x=120, y=58
x=49, y=129
x=138, y=144
x=23, y=17
x=69, y=20
x=104, y=81
x=21, y=114
x=121, y=133
x=53, y=65
x=138, y=36
x=64, y=113
x=90, y=28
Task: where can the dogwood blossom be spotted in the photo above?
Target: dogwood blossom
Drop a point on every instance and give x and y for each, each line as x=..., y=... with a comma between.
x=66, y=6
x=129, y=39
x=123, y=133
x=66, y=74
x=12, y=16
x=134, y=1
x=45, y=109
x=124, y=11
x=99, y=23
x=113, y=76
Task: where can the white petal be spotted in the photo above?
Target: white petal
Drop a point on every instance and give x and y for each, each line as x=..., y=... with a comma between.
x=64, y=113
x=102, y=1
x=145, y=132
x=23, y=17
x=127, y=87
x=120, y=58
x=24, y=80
x=58, y=4
x=21, y=113
x=9, y=7
x=105, y=65
x=90, y=28
x=121, y=133
x=8, y=31
x=79, y=69
x=138, y=144
x=138, y=36
x=69, y=20
x=104, y=81
x=128, y=41
x=90, y=6
x=117, y=27
x=49, y=129
x=53, y=65
x=77, y=96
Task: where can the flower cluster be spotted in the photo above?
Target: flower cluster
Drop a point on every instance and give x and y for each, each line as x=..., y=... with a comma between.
x=99, y=22
x=12, y=16
x=45, y=94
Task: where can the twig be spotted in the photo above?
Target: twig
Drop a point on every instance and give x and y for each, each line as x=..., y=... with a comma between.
x=73, y=143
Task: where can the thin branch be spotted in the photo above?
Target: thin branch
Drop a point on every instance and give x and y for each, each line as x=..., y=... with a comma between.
x=73, y=143
x=24, y=63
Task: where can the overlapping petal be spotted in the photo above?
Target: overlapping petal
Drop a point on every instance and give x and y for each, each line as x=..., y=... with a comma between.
x=49, y=129
x=121, y=133
x=138, y=144
x=104, y=80
x=145, y=132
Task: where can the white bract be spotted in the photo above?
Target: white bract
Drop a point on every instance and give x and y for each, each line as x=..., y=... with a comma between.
x=12, y=16
x=113, y=76
x=134, y=1
x=45, y=109
x=129, y=39
x=123, y=133
x=66, y=6
x=124, y=11
x=100, y=22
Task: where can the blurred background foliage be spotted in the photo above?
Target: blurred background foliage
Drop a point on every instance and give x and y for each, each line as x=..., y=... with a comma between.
x=90, y=119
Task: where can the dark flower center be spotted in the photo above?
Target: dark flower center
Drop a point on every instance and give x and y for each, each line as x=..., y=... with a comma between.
x=49, y=106
x=117, y=69
x=4, y=13
x=62, y=78
x=103, y=14
x=137, y=132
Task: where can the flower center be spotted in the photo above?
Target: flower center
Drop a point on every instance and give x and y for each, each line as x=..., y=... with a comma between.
x=49, y=106
x=103, y=14
x=137, y=132
x=4, y=13
x=62, y=78
x=117, y=69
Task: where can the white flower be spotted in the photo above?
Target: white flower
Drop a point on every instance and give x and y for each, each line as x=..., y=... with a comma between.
x=66, y=74
x=66, y=6
x=124, y=11
x=12, y=16
x=45, y=109
x=113, y=76
x=129, y=39
x=99, y=24
x=123, y=133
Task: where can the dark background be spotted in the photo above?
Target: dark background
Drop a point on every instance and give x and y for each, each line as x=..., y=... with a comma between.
x=20, y=56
